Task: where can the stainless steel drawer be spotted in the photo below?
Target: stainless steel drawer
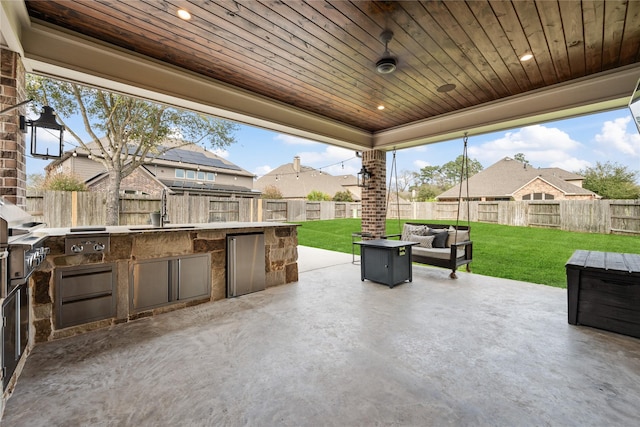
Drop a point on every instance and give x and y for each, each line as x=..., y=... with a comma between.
x=84, y=294
x=85, y=311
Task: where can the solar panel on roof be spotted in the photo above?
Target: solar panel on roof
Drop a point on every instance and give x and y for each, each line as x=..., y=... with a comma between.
x=196, y=158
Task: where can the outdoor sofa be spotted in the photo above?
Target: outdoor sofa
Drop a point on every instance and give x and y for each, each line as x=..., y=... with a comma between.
x=441, y=245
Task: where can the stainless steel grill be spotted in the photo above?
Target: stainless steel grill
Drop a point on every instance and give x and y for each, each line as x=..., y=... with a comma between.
x=25, y=251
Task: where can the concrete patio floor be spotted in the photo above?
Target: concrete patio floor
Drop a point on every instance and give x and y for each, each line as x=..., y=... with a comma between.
x=332, y=350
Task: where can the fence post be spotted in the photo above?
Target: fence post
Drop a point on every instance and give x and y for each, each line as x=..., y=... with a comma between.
x=74, y=208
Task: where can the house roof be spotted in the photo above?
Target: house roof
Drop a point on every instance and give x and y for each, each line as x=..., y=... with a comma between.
x=297, y=184
x=181, y=186
x=505, y=177
x=183, y=156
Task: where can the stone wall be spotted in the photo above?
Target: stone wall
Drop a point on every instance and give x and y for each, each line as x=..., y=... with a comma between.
x=281, y=256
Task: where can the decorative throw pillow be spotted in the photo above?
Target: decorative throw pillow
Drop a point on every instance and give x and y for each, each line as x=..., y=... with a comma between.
x=424, y=241
x=416, y=230
x=440, y=238
x=461, y=236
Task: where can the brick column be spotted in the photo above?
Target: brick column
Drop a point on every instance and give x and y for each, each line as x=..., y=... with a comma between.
x=374, y=202
x=13, y=170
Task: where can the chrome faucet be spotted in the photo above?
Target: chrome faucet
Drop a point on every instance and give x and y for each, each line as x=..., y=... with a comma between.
x=164, y=216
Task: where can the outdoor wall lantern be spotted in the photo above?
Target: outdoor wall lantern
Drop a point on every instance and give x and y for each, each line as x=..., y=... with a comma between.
x=363, y=177
x=46, y=134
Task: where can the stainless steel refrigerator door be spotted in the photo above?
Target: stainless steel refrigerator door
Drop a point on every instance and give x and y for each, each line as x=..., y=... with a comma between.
x=245, y=264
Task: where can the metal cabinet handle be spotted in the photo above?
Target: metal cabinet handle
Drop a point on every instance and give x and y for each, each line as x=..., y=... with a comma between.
x=234, y=263
x=77, y=248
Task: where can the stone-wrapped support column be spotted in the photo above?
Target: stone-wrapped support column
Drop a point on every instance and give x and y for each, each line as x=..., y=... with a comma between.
x=374, y=203
x=13, y=168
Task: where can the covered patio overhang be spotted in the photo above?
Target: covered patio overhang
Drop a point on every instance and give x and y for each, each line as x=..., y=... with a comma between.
x=308, y=69
x=59, y=54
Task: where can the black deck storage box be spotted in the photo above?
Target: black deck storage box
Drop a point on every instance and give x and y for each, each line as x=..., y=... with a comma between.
x=603, y=291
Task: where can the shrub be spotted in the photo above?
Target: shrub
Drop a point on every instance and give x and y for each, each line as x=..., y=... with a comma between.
x=318, y=196
x=271, y=192
x=64, y=182
x=343, y=196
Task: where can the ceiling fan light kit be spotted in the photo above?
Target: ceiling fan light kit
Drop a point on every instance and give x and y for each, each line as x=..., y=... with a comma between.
x=386, y=65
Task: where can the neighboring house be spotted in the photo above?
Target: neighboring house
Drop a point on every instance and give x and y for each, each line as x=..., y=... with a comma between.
x=295, y=181
x=509, y=179
x=189, y=168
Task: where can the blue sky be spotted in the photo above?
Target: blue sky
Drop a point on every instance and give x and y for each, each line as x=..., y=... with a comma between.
x=571, y=144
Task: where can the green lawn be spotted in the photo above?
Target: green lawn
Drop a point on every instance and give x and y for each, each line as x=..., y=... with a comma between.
x=535, y=255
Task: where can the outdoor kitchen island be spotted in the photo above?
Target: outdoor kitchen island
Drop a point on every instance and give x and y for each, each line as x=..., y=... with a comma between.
x=94, y=277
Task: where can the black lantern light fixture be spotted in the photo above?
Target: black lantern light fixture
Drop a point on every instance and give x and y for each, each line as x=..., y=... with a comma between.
x=46, y=134
x=363, y=177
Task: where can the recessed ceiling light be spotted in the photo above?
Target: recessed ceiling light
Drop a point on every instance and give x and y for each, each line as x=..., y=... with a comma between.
x=526, y=57
x=380, y=107
x=183, y=14
x=446, y=88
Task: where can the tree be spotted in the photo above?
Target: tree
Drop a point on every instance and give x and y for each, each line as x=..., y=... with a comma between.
x=133, y=129
x=521, y=158
x=405, y=179
x=318, y=196
x=271, y=192
x=427, y=192
x=611, y=181
x=446, y=176
x=451, y=170
x=35, y=181
x=343, y=196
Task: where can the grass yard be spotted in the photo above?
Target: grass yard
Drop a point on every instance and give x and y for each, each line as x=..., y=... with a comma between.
x=535, y=255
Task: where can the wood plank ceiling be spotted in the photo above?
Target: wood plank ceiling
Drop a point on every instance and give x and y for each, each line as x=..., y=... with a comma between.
x=320, y=56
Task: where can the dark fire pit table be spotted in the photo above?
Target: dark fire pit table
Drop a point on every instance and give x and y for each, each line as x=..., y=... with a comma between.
x=604, y=291
x=386, y=261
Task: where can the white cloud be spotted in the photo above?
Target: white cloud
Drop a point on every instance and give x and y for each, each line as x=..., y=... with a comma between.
x=541, y=146
x=293, y=140
x=614, y=135
x=220, y=152
x=421, y=163
x=262, y=170
x=333, y=160
x=572, y=164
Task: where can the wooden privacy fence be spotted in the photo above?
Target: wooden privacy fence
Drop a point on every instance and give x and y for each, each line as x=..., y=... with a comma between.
x=590, y=216
x=69, y=209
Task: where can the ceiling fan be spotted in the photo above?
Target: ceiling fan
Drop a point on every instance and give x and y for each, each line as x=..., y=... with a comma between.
x=387, y=64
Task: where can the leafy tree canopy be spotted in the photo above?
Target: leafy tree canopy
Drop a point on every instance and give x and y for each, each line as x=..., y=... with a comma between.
x=426, y=193
x=124, y=132
x=521, y=158
x=440, y=178
x=611, y=181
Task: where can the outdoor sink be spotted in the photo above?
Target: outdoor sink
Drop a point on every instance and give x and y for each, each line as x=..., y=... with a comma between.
x=166, y=227
x=86, y=229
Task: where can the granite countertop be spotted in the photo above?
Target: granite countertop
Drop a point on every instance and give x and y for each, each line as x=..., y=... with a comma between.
x=128, y=229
